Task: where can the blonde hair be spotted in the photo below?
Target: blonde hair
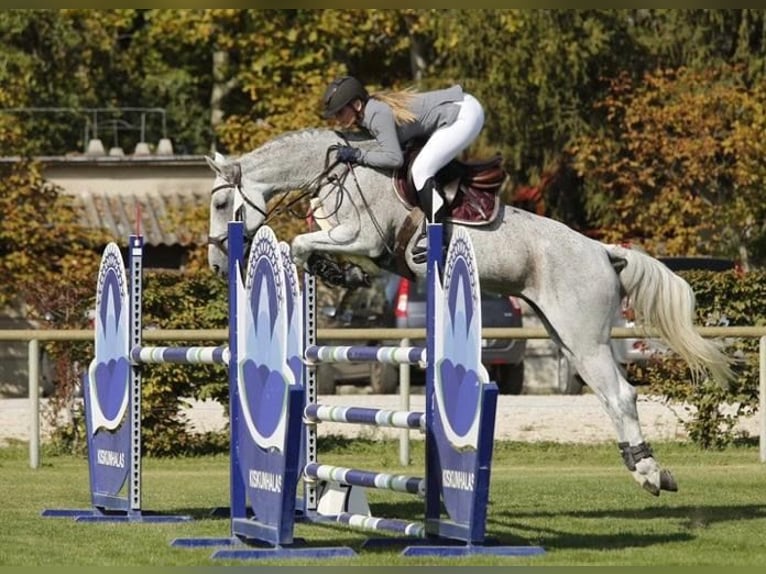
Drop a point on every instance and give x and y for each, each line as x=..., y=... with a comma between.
x=399, y=102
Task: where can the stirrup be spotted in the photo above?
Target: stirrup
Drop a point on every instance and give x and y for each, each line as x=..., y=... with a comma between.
x=422, y=254
x=419, y=251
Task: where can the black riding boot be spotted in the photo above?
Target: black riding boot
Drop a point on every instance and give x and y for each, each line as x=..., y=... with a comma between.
x=426, y=198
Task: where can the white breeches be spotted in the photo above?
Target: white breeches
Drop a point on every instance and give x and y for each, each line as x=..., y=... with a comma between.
x=447, y=142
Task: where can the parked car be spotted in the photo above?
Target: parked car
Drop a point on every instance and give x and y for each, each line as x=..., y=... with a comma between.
x=636, y=350
x=396, y=302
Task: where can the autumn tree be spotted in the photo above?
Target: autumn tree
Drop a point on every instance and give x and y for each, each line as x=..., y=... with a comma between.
x=69, y=62
x=289, y=57
x=679, y=168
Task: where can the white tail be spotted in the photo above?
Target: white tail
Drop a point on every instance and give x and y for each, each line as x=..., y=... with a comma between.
x=664, y=301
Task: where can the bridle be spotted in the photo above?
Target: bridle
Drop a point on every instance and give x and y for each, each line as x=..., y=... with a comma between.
x=220, y=240
x=308, y=190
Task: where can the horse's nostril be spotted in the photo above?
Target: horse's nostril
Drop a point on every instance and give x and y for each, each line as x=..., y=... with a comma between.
x=216, y=269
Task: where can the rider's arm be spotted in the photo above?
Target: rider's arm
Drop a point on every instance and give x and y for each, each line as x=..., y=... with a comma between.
x=379, y=121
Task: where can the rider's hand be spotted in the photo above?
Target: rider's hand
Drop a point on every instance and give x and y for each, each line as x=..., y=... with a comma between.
x=348, y=154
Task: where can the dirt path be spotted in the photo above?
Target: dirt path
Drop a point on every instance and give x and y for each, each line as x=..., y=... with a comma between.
x=578, y=419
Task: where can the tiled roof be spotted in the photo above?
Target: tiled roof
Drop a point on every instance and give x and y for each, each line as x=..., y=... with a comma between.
x=162, y=215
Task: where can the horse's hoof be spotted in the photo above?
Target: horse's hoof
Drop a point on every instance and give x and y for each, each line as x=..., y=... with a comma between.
x=667, y=482
x=354, y=276
x=651, y=488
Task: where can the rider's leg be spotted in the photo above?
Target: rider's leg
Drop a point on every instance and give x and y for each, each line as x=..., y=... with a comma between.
x=432, y=203
x=443, y=145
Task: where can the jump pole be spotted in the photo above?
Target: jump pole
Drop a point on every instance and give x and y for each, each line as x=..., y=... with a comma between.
x=458, y=459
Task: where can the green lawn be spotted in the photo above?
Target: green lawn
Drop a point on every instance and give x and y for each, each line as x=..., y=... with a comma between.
x=578, y=502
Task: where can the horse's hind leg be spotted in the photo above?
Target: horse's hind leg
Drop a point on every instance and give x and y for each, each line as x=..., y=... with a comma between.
x=599, y=370
x=584, y=339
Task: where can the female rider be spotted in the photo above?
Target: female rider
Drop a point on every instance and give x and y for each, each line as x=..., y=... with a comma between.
x=449, y=120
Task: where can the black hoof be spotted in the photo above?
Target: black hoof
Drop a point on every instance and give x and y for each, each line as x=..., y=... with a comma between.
x=667, y=482
x=650, y=488
x=327, y=270
x=354, y=276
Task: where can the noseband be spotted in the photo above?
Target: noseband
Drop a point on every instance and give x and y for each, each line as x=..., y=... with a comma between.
x=220, y=240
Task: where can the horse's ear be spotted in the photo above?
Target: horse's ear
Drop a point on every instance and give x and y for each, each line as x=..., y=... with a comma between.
x=230, y=171
x=213, y=163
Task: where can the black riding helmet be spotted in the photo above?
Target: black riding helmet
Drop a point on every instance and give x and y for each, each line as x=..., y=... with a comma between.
x=341, y=92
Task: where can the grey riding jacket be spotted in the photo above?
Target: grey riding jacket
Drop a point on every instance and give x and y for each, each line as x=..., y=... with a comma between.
x=432, y=111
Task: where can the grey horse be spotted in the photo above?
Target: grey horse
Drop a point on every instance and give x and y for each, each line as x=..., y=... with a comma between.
x=574, y=283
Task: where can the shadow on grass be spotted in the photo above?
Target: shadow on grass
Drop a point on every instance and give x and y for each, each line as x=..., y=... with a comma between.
x=696, y=516
x=684, y=519
x=509, y=528
x=535, y=527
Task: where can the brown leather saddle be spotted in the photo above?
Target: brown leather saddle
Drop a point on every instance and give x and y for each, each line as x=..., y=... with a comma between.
x=470, y=188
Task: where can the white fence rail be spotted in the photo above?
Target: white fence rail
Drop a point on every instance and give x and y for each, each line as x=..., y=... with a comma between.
x=35, y=336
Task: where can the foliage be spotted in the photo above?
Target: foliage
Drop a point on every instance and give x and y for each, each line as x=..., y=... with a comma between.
x=66, y=63
x=292, y=55
x=197, y=302
x=659, y=111
x=537, y=71
x=42, y=245
x=729, y=299
x=36, y=249
x=700, y=38
x=680, y=169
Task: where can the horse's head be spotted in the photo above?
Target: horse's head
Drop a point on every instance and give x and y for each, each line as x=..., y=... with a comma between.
x=229, y=202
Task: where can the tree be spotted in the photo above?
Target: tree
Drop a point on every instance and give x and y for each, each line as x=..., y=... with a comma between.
x=700, y=38
x=288, y=58
x=679, y=168
x=64, y=63
x=538, y=73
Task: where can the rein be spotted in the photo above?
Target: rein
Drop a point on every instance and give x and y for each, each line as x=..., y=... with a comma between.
x=309, y=189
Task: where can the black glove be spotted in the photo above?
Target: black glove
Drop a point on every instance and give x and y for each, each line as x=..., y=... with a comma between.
x=348, y=154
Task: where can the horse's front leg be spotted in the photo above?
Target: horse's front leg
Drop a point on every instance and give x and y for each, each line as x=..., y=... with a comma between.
x=340, y=240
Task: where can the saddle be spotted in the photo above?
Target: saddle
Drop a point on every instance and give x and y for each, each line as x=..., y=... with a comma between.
x=470, y=188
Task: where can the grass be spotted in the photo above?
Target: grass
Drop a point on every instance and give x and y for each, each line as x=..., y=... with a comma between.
x=576, y=501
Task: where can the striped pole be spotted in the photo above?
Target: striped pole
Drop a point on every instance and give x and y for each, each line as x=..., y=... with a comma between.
x=365, y=416
x=181, y=355
x=346, y=354
x=354, y=477
x=382, y=524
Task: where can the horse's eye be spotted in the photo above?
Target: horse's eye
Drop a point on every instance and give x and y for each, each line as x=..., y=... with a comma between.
x=221, y=203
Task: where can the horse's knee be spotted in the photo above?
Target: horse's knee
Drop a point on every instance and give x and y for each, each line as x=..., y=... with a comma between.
x=299, y=252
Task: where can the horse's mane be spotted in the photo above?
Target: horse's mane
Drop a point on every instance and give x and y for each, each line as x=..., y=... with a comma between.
x=309, y=136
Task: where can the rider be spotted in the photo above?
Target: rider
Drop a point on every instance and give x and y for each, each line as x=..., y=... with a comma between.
x=450, y=119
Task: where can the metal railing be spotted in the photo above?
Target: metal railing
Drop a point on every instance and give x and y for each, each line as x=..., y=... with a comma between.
x=35, y=336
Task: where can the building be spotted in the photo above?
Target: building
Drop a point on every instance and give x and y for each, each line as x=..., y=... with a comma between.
x=117, y=192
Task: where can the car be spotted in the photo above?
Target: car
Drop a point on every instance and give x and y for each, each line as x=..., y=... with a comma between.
x=396, y=302
x=628, y=351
